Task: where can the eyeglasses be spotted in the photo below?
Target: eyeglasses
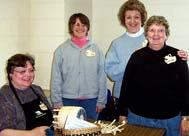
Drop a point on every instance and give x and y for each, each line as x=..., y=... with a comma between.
x=156, y=31
x=23, y=71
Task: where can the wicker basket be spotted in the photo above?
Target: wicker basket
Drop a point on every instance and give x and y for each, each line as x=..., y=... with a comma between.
x=69, y=121
x=94, y=131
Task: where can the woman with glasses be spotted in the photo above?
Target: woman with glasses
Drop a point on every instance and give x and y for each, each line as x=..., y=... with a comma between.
x=155, y=87
x=25, y=110
x=132, y=16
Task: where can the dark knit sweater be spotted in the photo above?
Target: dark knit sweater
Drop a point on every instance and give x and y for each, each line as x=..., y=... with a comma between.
x=11, y=113
x=154, y=89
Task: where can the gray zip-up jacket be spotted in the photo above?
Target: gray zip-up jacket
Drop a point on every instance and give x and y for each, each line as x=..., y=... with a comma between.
x=78, y=73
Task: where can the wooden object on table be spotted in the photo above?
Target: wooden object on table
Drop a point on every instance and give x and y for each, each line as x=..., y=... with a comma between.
x=133, y=130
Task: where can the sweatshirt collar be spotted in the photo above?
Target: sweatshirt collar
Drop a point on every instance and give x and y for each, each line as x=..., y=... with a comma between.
x=140, y=32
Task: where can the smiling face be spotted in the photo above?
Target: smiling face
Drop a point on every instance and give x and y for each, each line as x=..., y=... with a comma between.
x=156, y=31
x=133, y=21
x=156, y=36
x=79, y=30
x=22, y=77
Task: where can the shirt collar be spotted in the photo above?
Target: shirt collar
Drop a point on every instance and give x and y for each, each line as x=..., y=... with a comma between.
x=140, y=32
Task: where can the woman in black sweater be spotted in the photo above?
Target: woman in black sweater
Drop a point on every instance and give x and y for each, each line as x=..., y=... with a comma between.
x=155, y=87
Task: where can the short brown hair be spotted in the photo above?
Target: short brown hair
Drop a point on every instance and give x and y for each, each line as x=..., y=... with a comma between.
x=160, y=20
x=18, y=60
x=132, y=5
x=83, y=18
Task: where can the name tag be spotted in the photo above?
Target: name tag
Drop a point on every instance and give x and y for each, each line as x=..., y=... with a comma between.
x=90, y=53
x=170, y=59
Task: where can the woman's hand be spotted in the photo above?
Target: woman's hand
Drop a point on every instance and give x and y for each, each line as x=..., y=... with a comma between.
x=99, y=108
x=122, y=118
x=39, y=131
x=183, y=54
x=184, y=127
x=57, y=105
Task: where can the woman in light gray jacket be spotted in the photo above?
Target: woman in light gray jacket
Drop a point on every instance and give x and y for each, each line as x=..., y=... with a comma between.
x=78, y=77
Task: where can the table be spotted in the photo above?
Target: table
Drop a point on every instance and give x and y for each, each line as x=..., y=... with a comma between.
x=133, y=130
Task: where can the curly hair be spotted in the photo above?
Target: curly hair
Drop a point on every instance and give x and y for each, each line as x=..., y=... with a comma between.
x=132, y=5
x=159, y=20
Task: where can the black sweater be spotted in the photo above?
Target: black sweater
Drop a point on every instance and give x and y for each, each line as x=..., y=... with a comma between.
x=153, y=87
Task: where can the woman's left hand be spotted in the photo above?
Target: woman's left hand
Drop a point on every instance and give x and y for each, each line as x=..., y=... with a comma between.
x=183, y=54
x=184, y=127
x=99, y=108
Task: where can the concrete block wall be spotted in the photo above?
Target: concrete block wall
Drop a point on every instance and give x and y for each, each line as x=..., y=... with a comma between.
x=39, y=26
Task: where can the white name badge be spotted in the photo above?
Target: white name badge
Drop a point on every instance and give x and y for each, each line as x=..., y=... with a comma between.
x=170, y=59
x=90, y=53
